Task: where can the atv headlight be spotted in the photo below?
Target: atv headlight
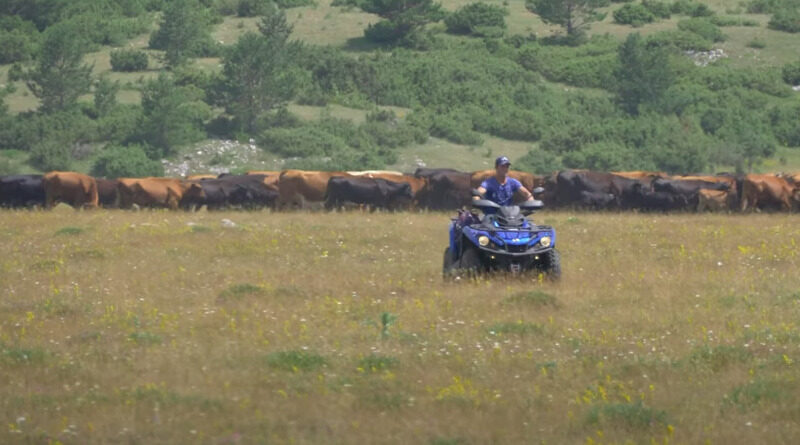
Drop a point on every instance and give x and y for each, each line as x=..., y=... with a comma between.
x=483, y=240
x=545, y=241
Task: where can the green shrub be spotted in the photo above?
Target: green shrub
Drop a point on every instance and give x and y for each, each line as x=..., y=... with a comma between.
x=791, y=73
x=119, y=124
x=118, y=161
x=769, y=6
x=702, y=27
x=691, y=8
x=385, y=31
x=468, y=19
x=757, y=44
x=633, y=14
x=786, y=20
x=51, y=154
x=252, y=8
x=681, y=40
x=19, y=39
x=785, y=124
x=128, y=60
x=286, y=4
x=540, y=162
x=658, y=8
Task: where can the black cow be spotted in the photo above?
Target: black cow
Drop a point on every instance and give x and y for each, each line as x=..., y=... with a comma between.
x=242, y=191
x=687, y=188
x=373, y=192
x=107, y=192
x=21, y=191
x=447, y=190
x=598, y=200
x=423, y=172
x=574, y=187
x=640, y=197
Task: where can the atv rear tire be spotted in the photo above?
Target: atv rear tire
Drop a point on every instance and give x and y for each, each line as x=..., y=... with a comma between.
x=447, y=266
x=552, y=265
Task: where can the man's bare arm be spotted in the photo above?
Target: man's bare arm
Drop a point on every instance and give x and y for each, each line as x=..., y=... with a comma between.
x=482, y=191
x=526, y=195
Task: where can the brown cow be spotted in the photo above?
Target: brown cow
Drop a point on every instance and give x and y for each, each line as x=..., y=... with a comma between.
x=75, y=189
x=200, y=177
x=301, y=187
x=152, y=192
x=716, y=200
x=640, y=174
x=271, y=178
x=766, y=191
x=529, y=181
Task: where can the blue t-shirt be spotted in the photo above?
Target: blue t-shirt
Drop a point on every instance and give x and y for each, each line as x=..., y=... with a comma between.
x=501, y=194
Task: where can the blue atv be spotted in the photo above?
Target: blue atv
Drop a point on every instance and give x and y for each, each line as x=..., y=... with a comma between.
x=502, y=240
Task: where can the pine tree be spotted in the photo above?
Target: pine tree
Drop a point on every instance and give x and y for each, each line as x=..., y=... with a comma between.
x=574, y=15
x=60, y=76
x=257, y=74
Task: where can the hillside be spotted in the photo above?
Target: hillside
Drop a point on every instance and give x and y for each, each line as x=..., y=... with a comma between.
x=461, y=138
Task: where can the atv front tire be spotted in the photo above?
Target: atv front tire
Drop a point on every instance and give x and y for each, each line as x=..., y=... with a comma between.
x=469, y=265
x=552, y=265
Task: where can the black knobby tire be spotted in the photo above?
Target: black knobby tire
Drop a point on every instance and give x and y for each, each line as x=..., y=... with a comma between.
x=447, y=266
x=552, y=265
x=470, y=262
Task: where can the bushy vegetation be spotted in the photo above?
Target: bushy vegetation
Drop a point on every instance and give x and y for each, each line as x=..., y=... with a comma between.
x=128, y=60
x=691, y=8
x=662, y=10
x=593, y=102
x=791, y=73
x=337, y=144
x=479, y=19
x=702, y=27
x=121, y=161
x=635, y=14
x=787, y=19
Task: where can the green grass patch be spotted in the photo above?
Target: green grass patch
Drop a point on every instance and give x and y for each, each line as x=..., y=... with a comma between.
x=719, y=357
x=240, y=290
x=145, y=338
x=87, y=254
x=70, y=230
x=376, y=363
x=14, y=355
x=199, y=229
x=631, y=415
x=532, y=298
x=47, y=266
x=763, y=390
x=295, y=360
x=516, y=328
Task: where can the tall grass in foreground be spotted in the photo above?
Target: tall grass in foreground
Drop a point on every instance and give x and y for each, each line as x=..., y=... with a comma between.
x=337, y=328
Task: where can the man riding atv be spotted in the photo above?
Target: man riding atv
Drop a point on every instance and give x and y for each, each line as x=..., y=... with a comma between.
x=503, y=240
x=501, y=188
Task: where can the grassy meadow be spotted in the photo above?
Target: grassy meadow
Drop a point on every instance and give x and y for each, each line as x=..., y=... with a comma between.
x=169, y=327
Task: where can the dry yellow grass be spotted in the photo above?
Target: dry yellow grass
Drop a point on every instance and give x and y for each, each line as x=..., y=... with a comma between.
x=169, y=327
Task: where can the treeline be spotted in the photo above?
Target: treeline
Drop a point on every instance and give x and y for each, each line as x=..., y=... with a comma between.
x=641, y=103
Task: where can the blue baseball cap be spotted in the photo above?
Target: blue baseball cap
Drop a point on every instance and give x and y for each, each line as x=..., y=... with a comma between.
x=502, y=160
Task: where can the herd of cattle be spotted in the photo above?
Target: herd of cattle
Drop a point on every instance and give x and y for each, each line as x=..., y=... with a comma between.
x=435, y=189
